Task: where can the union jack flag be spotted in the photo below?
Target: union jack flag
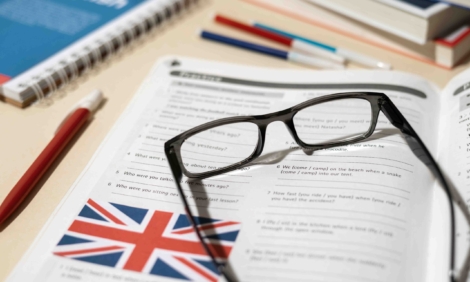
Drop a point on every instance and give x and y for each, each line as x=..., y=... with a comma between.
x=148, y=241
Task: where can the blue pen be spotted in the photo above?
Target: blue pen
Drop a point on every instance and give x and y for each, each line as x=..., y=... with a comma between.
x=348, y=54
x=286, y=55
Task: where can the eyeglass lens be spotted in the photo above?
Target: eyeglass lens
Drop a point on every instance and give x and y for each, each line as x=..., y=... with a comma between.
x=219, y=147
x=343, y=119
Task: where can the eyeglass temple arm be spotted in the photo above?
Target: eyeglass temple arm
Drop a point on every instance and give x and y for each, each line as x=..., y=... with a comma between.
x=417, y=145
x=178, y=176
x=421, y=152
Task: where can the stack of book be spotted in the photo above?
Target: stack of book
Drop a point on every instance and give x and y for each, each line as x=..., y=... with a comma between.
x=434, y=32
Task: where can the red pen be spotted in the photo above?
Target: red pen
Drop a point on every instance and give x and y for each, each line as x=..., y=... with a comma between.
x=77, y=118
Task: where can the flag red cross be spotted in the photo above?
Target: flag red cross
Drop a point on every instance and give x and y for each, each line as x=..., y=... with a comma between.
x=150, y=239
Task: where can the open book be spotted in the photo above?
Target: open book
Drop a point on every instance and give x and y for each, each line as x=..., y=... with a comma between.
x=370, y=211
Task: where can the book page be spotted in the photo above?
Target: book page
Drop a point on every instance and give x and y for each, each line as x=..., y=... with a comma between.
x=352, y=213
x=454, y=153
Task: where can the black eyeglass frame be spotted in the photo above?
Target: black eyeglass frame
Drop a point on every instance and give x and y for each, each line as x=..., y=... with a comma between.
x=379, y=102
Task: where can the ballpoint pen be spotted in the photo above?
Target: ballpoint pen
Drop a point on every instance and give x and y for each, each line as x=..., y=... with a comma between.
x=346, y=53
x=286, y=55
x=71, y=125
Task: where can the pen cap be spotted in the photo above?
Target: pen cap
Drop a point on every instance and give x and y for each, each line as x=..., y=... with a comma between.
x=314, y=61
x=307, y=48
x=91, y=101
x=363, y=59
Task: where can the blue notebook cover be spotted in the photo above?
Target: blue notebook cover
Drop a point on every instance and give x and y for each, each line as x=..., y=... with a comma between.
x=33, y=30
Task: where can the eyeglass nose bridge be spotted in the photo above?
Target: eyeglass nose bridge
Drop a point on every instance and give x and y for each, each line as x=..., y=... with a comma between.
x=293, y=132
x=286, y=117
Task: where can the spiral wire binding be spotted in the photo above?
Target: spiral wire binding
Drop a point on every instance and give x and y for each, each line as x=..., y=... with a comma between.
x=51, y=84
x=74, y=69
x=121, y=38
x=97, y=55
x=64, y=78
x=87, y=60
x=77, y=64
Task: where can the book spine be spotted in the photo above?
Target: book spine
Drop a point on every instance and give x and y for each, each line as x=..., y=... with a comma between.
x=76, y=64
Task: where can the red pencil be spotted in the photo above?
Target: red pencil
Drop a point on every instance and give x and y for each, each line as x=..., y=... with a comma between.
x=69, y=127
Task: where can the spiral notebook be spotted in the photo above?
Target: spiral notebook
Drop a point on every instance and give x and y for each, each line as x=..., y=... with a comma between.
x=45, y=44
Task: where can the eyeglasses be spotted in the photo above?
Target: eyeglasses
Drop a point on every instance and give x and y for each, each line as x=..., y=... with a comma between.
x=227, y=144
